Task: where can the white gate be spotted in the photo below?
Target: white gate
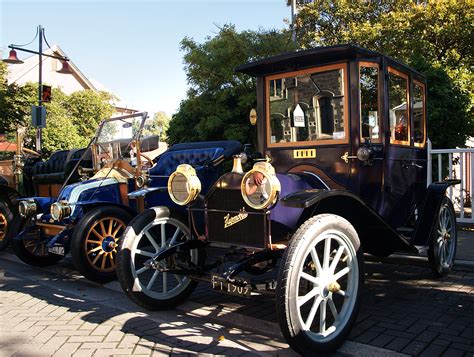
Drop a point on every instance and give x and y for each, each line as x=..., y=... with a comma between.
x=460, y=164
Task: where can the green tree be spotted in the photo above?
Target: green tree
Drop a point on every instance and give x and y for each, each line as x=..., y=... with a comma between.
x=439, y=32
x=87, y=108
x=219, y=100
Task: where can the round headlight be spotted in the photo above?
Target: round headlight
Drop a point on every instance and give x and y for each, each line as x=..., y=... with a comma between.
x=142, y=180
x=184, y=185
x=27, y=208
x=60, y=210
x=260, y=186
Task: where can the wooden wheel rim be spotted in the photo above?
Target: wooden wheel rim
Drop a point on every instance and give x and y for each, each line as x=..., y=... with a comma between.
x=3, y=226
x=101, y=243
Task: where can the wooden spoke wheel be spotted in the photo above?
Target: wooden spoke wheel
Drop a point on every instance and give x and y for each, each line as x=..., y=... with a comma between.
x=101, y=243
x=95, y=242
x=3, y=226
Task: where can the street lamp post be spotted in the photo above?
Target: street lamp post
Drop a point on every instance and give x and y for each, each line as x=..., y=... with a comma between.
x=13, y=59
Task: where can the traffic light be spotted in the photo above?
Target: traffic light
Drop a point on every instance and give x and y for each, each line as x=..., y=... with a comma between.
x=45, y=94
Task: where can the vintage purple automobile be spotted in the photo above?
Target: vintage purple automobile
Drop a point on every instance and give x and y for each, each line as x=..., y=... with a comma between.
x=343, y=171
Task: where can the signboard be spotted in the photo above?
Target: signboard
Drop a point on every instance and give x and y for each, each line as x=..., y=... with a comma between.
x=38, y=116
x=298, y=117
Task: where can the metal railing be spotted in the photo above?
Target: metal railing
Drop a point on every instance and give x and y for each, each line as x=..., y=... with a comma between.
x=455, y=164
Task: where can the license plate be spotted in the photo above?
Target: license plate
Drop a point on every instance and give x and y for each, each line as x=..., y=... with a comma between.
x=220, y=284
x=57, y=249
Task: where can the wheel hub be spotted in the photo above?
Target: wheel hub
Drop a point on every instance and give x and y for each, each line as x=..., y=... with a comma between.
x=333, y=287
x=108, y=244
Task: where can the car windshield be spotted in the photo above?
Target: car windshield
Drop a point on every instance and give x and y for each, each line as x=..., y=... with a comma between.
x=116, y=139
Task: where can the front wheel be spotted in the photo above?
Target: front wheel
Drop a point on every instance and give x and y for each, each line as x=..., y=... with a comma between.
x=151, y=286
x=443, y=241
x=319, y=284
x=95, y=241
x=10, y=222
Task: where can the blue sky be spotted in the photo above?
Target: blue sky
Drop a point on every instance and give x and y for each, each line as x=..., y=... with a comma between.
x=132, y=47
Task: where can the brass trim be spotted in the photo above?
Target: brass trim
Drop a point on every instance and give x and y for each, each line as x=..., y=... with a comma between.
x=194, y=184
x=304, y=154
x=3, y=226
x=268, y=171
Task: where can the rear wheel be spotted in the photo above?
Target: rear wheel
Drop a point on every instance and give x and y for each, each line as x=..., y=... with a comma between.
x=33, y=249
x=10, y=222
x=443, y=242
x=95, y=241
x=147, y=235
x=319, y=285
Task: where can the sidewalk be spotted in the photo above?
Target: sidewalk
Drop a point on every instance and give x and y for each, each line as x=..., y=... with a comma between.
x=55, y=310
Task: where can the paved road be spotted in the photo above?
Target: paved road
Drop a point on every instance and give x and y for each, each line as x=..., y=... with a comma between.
x=54, y=311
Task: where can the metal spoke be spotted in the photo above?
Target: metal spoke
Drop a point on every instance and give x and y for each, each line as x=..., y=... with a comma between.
x=310, y=278
x=165, y=282
x=341, y=273
x=152, y=280
x=315, y=258
x=312, y=312
x=145, y=253
x=152, y=241
x=343, y=293
x=178, y=278
x=163, y=236
x=322, y=317
x=332, y=306
x=304, y=299
x=141, y=270
x=327, y=252
x=175, y=235
x=336, y=258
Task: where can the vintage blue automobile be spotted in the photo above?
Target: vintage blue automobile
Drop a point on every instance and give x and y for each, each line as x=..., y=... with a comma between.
x=343, y=134
x=88, y=217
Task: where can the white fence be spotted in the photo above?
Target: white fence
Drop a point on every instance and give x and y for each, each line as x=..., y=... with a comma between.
x=460, y=165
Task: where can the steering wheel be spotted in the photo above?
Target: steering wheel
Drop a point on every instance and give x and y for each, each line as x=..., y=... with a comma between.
x=148, y=160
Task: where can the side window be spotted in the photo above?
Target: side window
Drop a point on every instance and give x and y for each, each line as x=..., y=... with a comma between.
x=419, y=114
x=398, y=107
x=312, y=107
x=369, y=101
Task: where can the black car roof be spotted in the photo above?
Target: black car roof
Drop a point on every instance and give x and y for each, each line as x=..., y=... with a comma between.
x=312, y=57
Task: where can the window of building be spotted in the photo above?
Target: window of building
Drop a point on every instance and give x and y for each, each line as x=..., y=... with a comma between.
x=369, y=102
x=398, y=107
x=419, y=114
x=313, y=109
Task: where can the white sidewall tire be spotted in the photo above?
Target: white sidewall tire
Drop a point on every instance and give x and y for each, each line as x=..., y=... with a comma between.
x=312, y=232
x=126, y=269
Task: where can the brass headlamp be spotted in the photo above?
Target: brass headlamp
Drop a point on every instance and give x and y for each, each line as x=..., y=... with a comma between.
x=60, y=210
x=184, y=185
x=260, y=186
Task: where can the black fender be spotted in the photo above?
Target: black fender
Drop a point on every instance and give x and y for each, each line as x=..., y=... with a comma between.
x=429, y=210
x=376, y=235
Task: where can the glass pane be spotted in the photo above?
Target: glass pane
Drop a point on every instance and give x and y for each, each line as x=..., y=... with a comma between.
x=311, y=109
x=398, y=89
x=418, y=114
x=369, y=103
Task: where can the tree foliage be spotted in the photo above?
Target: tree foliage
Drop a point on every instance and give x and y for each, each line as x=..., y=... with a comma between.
x=71, y=120
x=219, y=100
x=433, y=36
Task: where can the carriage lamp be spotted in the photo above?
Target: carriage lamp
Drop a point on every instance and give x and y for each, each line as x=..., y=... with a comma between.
x=27, y=208
x=143, y=180
x=184, y=185
x=60, y=210
x=260, y=186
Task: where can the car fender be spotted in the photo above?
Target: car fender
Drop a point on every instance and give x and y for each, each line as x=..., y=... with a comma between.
x=87, y=206
x=377, y=238
x=429, y=210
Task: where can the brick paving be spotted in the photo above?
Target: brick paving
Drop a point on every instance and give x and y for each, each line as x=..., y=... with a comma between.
x=404, y=310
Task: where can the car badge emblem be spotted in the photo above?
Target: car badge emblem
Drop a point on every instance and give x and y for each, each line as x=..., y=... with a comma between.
x=230, y=221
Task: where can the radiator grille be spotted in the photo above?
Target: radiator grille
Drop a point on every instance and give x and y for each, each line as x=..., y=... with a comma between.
x=249, y=232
